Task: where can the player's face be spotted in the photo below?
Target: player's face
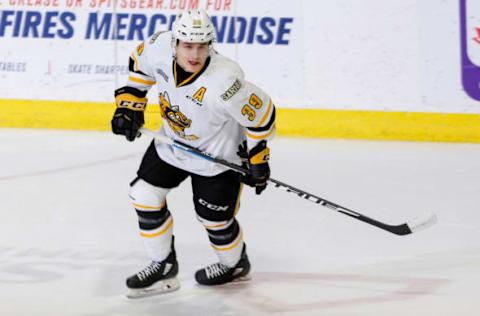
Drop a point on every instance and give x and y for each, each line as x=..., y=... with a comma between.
x=192, y=56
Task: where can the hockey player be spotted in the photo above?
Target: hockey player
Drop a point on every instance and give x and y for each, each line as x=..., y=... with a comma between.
x=205, y=102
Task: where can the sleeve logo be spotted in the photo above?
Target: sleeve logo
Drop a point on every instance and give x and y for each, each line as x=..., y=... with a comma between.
x=232, y=90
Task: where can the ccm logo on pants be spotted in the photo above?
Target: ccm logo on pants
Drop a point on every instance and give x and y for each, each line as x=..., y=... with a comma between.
x=213, y=206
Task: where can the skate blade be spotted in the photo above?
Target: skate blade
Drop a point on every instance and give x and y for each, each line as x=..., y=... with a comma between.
x=160, y=287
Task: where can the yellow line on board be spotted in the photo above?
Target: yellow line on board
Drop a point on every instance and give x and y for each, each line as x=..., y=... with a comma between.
x=379, y=125
x=375, y=125
x=65, y=114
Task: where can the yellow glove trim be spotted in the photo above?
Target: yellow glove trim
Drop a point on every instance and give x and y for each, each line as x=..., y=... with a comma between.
x=129, y=101
x=261, y=157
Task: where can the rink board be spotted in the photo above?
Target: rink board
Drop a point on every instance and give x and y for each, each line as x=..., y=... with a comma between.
x=347, y=124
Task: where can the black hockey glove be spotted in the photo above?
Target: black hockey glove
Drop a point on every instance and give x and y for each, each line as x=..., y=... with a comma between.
x=129, y=117
x=256, y=161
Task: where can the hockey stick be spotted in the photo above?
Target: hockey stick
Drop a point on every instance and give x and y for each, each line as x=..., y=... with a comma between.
x=402, y=229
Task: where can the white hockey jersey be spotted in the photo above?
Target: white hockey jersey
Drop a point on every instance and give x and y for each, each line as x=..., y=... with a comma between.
x=213, y=110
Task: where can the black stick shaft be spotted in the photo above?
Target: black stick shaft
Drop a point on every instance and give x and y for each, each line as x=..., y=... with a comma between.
x=398, y=230
x=402, y=229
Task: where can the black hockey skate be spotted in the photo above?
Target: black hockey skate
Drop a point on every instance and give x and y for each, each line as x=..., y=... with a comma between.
x=156, y=278
x=218, y=273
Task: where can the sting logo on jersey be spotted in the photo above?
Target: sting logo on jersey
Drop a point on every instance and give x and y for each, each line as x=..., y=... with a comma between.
x=198, y=96
x=177, y=121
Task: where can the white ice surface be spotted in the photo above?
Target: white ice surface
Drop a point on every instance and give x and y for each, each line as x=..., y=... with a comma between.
x=68, y=235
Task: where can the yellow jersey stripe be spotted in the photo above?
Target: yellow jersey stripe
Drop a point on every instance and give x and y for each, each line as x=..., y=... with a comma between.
x=259, y=136
x=235, y=244
x=215, y=226
x=163, y=231
x=266, y=115
x=135, y=65
x=237, y=204
x=218, y=225
x=147, y=82
x=147, y=207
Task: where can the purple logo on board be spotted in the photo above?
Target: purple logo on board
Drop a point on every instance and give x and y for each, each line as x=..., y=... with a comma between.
x=470, y=45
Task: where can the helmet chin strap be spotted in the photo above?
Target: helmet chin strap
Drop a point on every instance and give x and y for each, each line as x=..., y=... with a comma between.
x=173, y=44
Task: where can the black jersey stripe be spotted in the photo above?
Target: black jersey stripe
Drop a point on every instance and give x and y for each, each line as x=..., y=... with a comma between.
x=224, y=236
x=131, y=67
x=152, y=220
x=265, y=127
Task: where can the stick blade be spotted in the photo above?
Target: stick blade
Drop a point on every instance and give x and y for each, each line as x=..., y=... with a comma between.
x=423, y=222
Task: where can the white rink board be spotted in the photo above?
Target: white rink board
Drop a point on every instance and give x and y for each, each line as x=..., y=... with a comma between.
x=397, y=55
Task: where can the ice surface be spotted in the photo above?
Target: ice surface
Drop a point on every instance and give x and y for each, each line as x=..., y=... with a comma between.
x=68, y=235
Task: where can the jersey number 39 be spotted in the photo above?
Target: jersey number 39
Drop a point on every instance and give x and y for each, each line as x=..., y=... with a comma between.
x=249, y=109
